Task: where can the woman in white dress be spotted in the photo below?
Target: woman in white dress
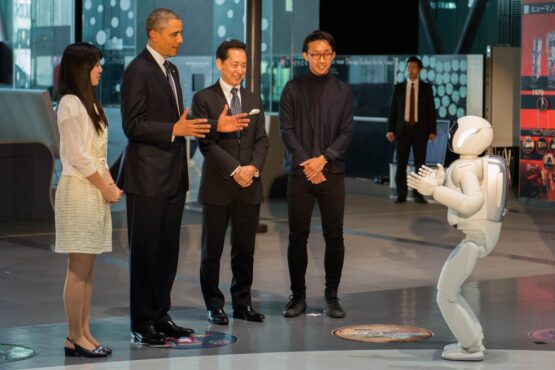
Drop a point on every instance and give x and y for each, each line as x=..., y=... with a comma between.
x=85, y=191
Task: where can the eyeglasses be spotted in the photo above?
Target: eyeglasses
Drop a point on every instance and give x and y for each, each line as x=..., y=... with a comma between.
x=317, y=56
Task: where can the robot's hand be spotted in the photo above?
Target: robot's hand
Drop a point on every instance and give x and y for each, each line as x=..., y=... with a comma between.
x=424, y=184
x=438, y=175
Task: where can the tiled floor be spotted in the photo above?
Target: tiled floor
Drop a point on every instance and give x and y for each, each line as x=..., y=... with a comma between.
x=394, y=254
x=393, y=259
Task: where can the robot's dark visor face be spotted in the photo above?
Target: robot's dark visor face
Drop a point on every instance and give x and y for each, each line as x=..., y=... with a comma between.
x=452, y=130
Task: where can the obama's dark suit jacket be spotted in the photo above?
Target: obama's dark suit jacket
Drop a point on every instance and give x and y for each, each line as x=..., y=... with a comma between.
x=155, y=181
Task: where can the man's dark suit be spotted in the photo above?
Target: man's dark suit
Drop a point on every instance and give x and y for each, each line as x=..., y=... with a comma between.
x=224, y=200
x=155, y=182
x=407, y=136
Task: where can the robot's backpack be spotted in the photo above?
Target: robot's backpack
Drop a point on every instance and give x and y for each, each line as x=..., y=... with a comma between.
x=495, y=186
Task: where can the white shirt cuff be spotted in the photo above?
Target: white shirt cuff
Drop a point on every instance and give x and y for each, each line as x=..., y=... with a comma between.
x=234, y=171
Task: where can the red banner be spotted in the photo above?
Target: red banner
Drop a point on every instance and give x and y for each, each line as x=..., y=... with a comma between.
x=537, y=107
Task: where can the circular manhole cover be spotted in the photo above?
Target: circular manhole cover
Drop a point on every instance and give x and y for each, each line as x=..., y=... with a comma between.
x=546, y=335
x=209, y=339
x=382, y=333
x=12, y=352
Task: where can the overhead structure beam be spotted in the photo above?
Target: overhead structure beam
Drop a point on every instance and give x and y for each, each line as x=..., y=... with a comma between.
x=471, y=26
x=254, y=40
x=430, y=28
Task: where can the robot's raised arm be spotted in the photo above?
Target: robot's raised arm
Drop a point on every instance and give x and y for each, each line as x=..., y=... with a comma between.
x=466, y=202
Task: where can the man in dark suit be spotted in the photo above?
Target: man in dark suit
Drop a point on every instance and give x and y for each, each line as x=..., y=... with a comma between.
x=411, y=123
x=230, y=186
x=155, y=177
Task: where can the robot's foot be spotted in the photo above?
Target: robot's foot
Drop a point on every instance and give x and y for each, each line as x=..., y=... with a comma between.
x=457, y=347
x=455, y=352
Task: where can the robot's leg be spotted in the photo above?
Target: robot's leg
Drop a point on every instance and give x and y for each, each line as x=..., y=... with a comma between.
x=456, y=312
x=478, y=327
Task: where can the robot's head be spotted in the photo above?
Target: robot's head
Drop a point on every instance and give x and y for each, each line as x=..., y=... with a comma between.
x=470, y=135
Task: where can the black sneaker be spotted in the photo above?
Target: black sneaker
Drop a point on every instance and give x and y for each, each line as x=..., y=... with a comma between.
x=333, y=309
x=295, y=307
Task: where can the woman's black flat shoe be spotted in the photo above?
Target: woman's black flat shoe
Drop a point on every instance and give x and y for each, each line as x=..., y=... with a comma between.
x=80, y=351
x=70, y=352
x=105, y=349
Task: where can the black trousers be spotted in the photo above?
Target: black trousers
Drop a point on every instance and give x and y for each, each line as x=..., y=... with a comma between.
x=411, y=136
x=215, y=219
x=153, y=224
x=301, y=197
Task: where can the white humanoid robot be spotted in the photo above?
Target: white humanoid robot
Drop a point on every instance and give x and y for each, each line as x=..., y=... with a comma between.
x=474, y=189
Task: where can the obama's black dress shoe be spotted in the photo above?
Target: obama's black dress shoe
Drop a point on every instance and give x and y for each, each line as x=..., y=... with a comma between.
x=148, y=335
x=169, y=328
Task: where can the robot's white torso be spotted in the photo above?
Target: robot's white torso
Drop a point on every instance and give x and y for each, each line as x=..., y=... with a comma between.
x=465, y=176
x=482, y=183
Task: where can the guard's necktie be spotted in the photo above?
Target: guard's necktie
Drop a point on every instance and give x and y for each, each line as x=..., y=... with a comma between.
x=169, y=76
x=235, y=107
x=412, y=104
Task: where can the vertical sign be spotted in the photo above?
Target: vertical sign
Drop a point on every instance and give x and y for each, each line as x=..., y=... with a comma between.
x=537, y=103
x=22, y=43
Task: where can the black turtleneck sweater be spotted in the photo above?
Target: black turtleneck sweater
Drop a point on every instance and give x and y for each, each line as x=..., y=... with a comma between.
x=316, y=117
x=315, y=87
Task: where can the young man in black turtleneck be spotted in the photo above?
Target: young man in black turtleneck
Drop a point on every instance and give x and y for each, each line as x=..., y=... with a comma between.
x=316, y=120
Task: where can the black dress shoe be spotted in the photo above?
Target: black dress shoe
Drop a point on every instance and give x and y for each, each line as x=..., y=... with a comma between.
x=248, y=313
x=217, y=316
x=78, y=351
x=169, y=328
x=149, y=335
x=401, y=200
x=295, y=306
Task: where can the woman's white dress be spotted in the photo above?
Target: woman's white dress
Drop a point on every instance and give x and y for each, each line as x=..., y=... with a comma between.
x=82, y=216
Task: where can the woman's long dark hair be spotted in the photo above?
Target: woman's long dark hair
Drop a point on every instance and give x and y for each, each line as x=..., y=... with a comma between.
x=75, y=78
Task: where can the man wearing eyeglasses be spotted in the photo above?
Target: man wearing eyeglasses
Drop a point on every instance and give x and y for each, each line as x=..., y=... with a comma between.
x=316, y=119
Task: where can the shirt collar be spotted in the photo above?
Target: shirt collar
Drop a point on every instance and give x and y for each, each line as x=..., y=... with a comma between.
x=226, y=88
x=415, y=82
x=157, y=57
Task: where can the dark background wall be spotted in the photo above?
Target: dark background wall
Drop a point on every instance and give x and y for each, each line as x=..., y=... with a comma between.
x=359, y=31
